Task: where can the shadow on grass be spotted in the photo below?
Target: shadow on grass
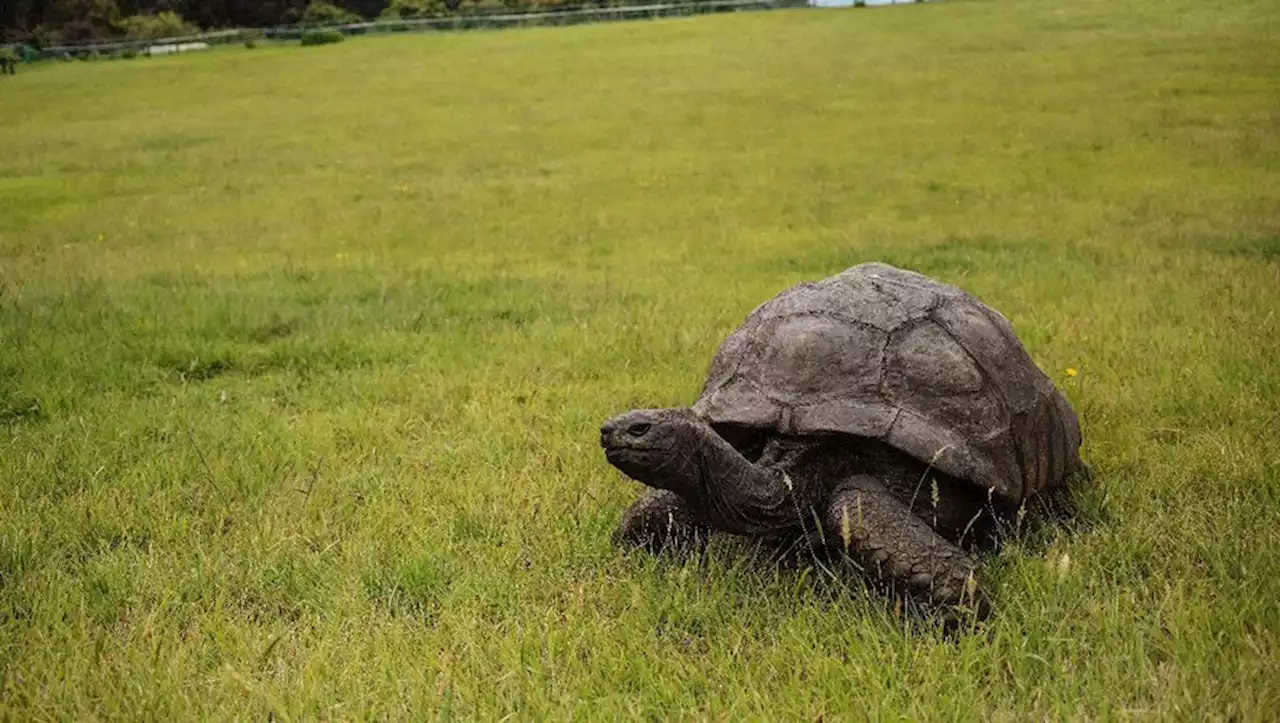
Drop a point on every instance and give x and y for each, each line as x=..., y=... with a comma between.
x=21, y=409
x=1265, y=248
x=803, y=563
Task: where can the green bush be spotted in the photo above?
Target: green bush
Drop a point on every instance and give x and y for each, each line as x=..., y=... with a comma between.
x=167, y=24
x=408, y=9
x=323, y=13
x=253, y=38
x=322, y=37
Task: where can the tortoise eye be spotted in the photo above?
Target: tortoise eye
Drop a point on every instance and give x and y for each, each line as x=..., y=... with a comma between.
x=639, y=429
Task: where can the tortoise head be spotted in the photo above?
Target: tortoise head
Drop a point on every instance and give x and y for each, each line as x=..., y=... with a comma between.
x=658, y=447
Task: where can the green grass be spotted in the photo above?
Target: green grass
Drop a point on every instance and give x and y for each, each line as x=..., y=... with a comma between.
x=303, y=355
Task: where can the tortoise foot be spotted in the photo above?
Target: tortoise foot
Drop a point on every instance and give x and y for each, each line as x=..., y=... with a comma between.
x=658, y=521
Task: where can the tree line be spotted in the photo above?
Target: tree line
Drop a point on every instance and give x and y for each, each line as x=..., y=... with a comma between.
x=50, y=22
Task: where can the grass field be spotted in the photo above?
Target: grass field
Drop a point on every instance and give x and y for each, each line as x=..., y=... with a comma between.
x=303, y=354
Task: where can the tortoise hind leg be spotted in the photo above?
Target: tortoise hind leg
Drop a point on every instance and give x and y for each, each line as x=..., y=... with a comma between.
x=865, y=520
x=661, y=520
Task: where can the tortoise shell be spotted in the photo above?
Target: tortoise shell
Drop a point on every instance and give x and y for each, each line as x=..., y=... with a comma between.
x=893, y=355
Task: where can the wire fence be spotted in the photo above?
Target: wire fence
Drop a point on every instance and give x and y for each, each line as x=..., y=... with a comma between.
x=471, y=20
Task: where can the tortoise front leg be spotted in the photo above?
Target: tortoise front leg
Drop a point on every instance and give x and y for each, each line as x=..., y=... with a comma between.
x=866, y=521
x=660, y=520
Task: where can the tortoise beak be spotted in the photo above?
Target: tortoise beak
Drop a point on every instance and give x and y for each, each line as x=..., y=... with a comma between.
x=607, y=432
x=613, y=433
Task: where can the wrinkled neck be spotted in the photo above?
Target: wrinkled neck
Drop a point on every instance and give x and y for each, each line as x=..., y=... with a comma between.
x=741, y=497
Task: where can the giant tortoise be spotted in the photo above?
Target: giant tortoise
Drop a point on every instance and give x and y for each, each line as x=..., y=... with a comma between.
x=877, y=414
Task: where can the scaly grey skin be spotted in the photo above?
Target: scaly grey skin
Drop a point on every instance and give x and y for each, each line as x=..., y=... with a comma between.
x=671, y=449
x=702, y=483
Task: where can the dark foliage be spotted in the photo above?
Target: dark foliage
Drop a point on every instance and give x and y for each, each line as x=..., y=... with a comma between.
x=51, y=21
x=321, y=37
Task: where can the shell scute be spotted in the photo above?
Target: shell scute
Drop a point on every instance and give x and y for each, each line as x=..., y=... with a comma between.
x=924, y=360
x=999, y=354
x=893, y=355
x=807, y=357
